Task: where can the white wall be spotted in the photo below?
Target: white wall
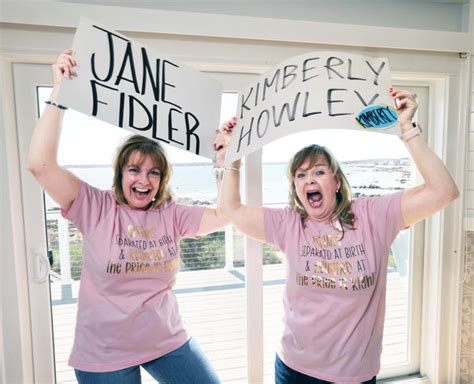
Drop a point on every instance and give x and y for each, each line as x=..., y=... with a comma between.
x=404, y=35
x=439, y=15
x=470, y=157
x=470, y=154
x=10, y=338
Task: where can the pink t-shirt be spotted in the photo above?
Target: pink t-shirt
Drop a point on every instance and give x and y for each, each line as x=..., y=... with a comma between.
x=127, y=312
x=334, y=298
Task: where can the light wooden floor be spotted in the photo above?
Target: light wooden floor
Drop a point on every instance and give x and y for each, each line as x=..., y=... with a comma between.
x=212, y=304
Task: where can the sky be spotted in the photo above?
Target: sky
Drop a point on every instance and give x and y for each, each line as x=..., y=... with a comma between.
x=86, y=140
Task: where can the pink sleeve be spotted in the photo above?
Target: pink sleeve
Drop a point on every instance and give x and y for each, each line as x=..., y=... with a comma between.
x=89, y=207
x=384, y=215
x=187, y=219
x=277, y=222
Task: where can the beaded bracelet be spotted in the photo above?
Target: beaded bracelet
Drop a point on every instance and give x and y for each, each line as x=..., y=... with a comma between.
x=49, y=102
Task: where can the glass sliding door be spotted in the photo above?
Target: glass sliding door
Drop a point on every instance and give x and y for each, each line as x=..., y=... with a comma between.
x=211, y=286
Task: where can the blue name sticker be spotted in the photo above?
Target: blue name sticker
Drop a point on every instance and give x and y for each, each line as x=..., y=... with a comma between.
x=377, y=117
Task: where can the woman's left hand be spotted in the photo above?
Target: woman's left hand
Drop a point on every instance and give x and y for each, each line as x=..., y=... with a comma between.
x=406, y=105
x=222, y=141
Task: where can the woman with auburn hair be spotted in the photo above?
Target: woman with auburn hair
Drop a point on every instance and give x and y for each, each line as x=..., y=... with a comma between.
x=337, y=253
x=128, y=315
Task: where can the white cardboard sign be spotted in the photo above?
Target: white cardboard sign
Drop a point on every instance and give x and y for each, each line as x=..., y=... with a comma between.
x=316, y=90
x=124, y=83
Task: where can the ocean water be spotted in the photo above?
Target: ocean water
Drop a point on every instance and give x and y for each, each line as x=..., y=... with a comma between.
x=196, y=181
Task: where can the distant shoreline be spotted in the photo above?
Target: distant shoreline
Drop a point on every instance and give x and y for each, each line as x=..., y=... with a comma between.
x=403, y=159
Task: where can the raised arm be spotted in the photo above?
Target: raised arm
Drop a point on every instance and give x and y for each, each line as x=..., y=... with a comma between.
x=42, y=162
x=247, y=219
x=438, y=188
x=212, y=220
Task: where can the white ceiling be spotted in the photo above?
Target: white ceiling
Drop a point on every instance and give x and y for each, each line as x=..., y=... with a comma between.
x=449, y=15
x=194, y=5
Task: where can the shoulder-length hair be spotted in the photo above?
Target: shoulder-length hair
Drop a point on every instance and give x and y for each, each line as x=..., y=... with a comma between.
x=146, y=147
x=343, y=212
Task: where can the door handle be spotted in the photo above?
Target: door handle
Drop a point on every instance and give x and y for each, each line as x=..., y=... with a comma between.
x=41, y=267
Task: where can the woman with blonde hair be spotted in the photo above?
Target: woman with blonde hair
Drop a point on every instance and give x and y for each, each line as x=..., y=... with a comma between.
x=337, y=252
x=128, y=315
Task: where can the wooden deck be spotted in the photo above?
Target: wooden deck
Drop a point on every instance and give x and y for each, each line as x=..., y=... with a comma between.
x=213, y=303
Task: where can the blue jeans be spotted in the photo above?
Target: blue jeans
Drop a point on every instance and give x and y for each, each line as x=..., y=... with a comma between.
x=187, y=364
x=286, y=375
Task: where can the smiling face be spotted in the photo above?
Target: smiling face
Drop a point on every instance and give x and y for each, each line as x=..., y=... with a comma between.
x=316, y=186
x=140, y=180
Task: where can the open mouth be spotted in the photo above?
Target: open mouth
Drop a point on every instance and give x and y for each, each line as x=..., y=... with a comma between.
x=315, y=199
x=141, y=191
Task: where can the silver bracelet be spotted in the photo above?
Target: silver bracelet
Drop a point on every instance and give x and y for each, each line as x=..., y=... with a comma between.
x=219, y=171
